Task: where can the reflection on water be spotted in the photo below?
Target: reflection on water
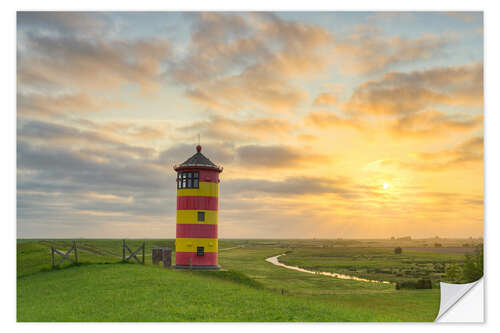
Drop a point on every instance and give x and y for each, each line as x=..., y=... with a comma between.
x=275, y=261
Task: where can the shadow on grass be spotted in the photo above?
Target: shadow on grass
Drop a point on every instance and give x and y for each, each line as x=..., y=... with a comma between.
x=232, y=276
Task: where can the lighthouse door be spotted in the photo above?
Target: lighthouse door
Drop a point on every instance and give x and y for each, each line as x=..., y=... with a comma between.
x=200, y=251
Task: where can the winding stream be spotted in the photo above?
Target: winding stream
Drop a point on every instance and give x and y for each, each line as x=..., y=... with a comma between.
x=275, y=261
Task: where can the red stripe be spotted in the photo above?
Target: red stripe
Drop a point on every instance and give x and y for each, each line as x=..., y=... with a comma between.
x=209, y=176
x=196, y=231
x=201, y=203
x=209, y=259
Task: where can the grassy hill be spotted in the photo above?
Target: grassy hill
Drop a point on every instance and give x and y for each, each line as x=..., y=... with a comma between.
x=250, y=289
x=130, y=292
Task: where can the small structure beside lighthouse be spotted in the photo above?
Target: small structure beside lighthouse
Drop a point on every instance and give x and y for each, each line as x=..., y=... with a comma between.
x=196, y=242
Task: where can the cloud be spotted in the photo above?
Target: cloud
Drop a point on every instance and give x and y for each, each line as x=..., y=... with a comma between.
x=64, y=166
x=88, y=166
x=405, y=93
x=434, y=123
x=60, y=179
x=330, y=119
x=218, y=40
x=276, y=157
x=251, y=89
x=232, y=129
x=128, y=130
x=393, y=100
x=248, y=61
x=325, y=99
x=460, y=156
x=99, y=144
x=65, y=72
x=452, y=77
x=367, y=50
x=104, y=64
x=43, y=105
x=292, y=186
x=471, y=150
x=237, y=61
x=65, y=23
x=425, y=124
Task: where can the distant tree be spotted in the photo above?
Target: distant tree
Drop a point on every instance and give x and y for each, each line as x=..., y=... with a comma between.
x=437, y=245
x=452, y=273
x=398, y=250
x=423, y=284
x=473, y=267
x=414, y=284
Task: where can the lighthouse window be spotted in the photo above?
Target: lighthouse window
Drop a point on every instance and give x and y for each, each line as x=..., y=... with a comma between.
x=188, y=180
x=200, y=251
x=201, y=216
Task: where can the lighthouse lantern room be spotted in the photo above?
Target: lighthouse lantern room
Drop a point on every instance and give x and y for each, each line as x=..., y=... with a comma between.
x=196, y=243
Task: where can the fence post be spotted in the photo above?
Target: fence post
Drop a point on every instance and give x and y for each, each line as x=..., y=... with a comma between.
x=123, y=248
x=53, y=259
x=76, y=252
x=143, y=248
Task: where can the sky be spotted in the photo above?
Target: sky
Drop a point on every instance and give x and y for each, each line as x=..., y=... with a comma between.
x=327, y=124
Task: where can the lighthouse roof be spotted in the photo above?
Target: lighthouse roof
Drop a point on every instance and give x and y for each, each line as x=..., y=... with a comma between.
x=198, y=160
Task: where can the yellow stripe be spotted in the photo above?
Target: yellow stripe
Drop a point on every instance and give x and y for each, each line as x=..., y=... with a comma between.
x=206, y=189
x=191, y=244
x=189, y=216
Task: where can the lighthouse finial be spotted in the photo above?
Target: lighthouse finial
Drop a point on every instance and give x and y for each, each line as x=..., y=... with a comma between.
x=198, y=147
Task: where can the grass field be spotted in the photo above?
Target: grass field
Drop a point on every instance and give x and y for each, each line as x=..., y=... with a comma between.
x=374, y=263
x=248, y=289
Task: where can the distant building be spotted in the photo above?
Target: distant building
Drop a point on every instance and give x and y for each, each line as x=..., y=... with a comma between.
x=196, y=242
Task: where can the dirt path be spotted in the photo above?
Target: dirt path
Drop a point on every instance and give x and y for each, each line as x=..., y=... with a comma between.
x=274, y=260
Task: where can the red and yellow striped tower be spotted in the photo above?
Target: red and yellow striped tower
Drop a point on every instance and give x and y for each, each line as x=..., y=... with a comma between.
x=196, y=241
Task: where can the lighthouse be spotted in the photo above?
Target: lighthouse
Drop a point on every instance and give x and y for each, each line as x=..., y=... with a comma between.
x=196, y=241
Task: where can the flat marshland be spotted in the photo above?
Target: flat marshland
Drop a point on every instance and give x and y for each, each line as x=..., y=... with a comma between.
x=248, y=288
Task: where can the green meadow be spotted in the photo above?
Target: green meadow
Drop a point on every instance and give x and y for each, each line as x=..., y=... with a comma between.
x=102, y=288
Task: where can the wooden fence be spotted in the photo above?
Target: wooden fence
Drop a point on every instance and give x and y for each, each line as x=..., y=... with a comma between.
x=133, y=254
x=65, y=256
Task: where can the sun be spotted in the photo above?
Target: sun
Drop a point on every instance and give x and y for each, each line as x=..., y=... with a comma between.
x=385, y=186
